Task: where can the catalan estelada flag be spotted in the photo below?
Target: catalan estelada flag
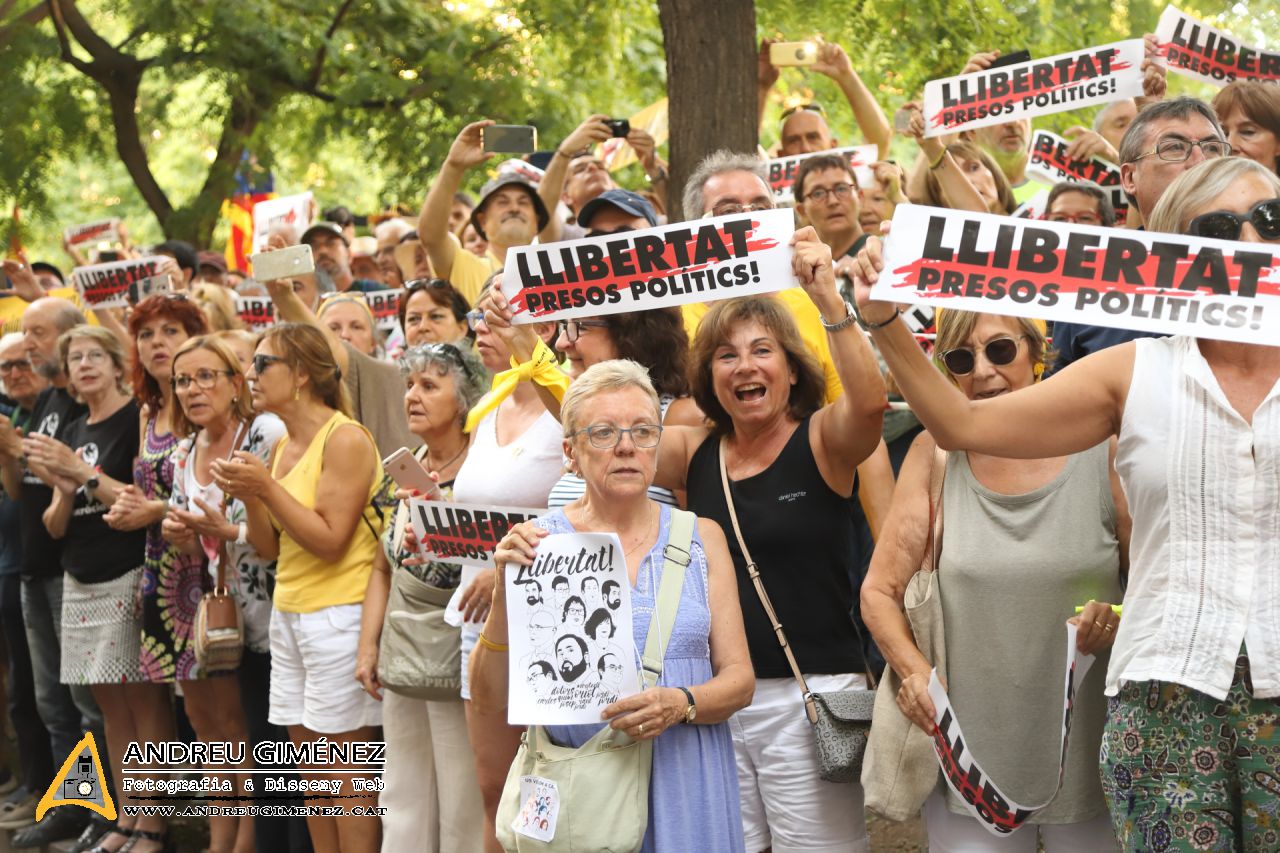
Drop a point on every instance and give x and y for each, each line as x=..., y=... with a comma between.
x=253, y=184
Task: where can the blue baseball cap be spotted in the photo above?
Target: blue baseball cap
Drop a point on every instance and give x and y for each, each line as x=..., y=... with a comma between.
x=624, y=200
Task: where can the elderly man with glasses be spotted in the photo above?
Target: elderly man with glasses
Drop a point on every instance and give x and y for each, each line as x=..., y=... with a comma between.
x=1166, y=139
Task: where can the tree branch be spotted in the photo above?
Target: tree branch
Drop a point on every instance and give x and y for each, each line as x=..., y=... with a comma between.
x=318, y=66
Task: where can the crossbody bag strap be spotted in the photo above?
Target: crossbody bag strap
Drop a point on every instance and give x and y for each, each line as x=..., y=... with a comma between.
x=937, y=475
x=676, y=559
x=220, y=576
x=753, y=571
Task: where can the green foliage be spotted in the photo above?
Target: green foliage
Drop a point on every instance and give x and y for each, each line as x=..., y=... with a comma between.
x=399, y=78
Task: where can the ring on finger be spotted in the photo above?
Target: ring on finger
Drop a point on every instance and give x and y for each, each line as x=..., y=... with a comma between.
x=1098, y=625
x=640, y=728
x=1106, y=627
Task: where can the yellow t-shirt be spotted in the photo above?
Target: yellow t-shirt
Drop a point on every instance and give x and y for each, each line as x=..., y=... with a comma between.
x=470, y=272
x=13, y=307
x=808, y=321
x=304, y=582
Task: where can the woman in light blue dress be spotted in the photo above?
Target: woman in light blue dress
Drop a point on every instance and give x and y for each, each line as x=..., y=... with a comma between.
x=610, y=418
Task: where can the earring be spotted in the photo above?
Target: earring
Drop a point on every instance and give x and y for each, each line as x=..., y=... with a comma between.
x=297, y=392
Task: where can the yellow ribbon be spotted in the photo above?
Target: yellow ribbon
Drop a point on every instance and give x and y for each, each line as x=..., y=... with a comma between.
x=543, y=368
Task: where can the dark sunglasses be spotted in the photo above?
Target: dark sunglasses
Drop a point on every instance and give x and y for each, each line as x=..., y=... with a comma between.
x=425, y=284
x=1225, y=225
x=962, y=360
x=261, y=361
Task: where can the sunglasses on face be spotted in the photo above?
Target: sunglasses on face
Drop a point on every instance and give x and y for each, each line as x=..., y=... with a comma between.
x=962, y=360
x=261, y=361
x=1225, y=225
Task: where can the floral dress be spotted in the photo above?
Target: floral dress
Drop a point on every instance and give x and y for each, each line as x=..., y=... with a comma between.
x=172, y=582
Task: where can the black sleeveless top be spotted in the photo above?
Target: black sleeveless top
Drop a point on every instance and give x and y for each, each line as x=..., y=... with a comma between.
x=801, y=534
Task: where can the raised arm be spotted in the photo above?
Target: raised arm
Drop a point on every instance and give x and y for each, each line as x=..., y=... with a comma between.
x=835, y=63
x=592, y=131
x=1078, y=408
x=433, y=223
x=291, y=309
x=847, y=430
x=960, y=194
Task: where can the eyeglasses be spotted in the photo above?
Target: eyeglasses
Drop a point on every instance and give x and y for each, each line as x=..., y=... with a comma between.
x=732, y=208
x=204, y=378
x=18, y=364
x=474, y=318
x=93, y=356
x=572, y=329
x=1078, y=218
x=417, y=284
x=262, y=361
x=607, y=436
x=1000, y=351
x=812, y=108
x=1177, y=150
x=840, y=191
x=1225, y=225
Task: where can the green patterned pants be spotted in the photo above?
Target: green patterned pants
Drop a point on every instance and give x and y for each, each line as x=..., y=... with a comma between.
x=1183, y=771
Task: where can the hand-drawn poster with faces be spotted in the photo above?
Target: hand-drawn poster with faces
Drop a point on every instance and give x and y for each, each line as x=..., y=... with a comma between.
x=569, y=624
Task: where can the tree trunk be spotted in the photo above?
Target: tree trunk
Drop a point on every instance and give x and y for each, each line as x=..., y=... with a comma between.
x=711, y=83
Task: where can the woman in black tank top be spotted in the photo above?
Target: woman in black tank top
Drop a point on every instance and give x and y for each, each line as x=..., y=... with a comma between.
x=791, y=464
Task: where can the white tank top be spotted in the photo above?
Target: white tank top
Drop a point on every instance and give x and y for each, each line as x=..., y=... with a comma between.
x=520, y=473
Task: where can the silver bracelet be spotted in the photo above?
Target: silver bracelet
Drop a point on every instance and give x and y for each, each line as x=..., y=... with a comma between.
x=851, y=317
x=242, y=538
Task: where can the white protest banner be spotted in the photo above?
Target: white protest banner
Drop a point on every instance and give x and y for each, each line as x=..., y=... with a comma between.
x=782, y=171
x=572, y=649
x=1166, y=283
x=385, y=307
x=998, y=813
x=256, y=312
x=1040, y=87
x=1033, y=208
x=107, y=285
x=465, y=534
x=101, y=231
x=291, y=210
x=736, y=255
x=1194, y=49
x=1049, y=163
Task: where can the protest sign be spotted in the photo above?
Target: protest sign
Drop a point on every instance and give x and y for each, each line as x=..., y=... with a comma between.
x=1033, y=208
x=736, y=255
x=256, y=312
x=782, y=171
x=1068, y=81
x=269, y=215
x=998, y=813
x=1049, y=163
x=466, y=534
x=385, y=307
x=107, y=285
x=569, y=626
x=1165, y=283
x=1194, y=49
x=101, y=231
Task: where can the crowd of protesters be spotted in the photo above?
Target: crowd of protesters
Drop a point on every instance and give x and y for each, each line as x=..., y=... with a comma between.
x=146, y=450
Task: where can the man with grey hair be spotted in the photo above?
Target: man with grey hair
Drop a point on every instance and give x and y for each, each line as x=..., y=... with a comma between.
x=1114, y=119
x=1164, y=140
x=61, y=708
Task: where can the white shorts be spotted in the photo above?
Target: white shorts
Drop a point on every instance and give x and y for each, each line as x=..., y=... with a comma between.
x=784, y=802
x=954, y=833
x=313, y=671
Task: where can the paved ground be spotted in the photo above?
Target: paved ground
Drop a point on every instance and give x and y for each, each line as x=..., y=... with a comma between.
x=889, y=836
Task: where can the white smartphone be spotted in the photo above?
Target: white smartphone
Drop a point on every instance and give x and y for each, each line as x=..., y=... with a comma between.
x=409, y=474
x=283, y=263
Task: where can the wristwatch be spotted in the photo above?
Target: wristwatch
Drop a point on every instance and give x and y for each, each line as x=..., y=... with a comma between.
x=91, y=484
x=850, y=317
x=691, y=712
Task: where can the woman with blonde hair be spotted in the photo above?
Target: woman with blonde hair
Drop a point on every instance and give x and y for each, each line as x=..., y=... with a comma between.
x=311, y=507
x=1007, y=587
x=219, y=306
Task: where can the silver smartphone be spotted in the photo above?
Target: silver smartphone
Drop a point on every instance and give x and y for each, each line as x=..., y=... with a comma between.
x=510, y=138
x=283, y=263
x=408, y=473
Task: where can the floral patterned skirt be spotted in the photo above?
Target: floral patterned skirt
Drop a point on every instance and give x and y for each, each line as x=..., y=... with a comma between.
x=172, y=586
x=1183, y=771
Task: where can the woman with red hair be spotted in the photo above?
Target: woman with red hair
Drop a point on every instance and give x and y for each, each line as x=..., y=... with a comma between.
x=171, y=580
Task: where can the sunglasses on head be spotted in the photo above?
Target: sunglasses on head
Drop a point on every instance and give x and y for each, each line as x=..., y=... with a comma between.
x=425, y=284
x=1225, y=225
x=812, y=108
x=999, y=351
